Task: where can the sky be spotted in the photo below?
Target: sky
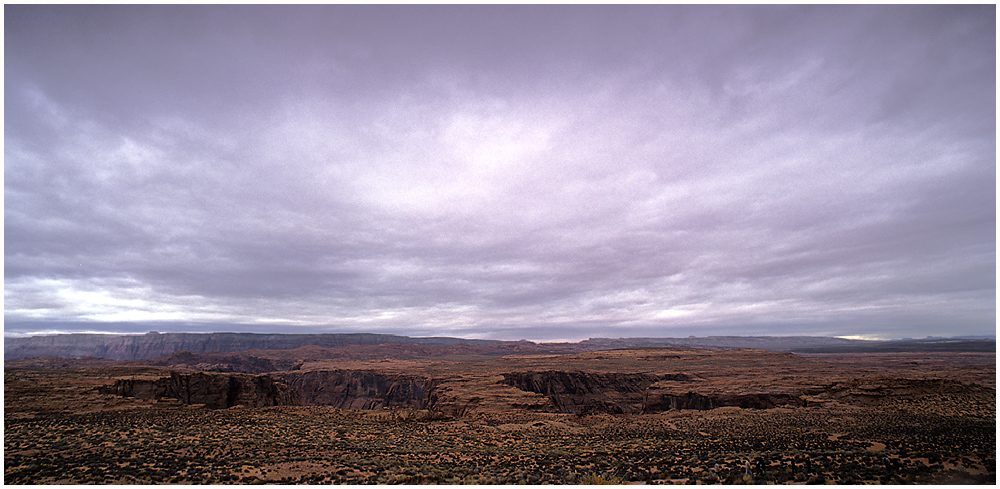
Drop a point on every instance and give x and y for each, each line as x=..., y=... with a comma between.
x=504, y=172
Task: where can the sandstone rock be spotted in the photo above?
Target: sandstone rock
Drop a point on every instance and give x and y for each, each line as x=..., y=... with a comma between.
x=359, y=389
x=215, y=391
x=667, y=400
x=588, y=392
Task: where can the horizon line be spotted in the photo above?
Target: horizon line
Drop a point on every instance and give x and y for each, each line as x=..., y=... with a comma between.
x=536, y=341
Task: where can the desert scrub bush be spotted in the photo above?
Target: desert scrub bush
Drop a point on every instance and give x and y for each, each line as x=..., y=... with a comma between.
x=595, y=480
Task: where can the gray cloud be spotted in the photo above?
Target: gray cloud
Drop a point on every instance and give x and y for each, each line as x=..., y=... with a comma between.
x=502, y=171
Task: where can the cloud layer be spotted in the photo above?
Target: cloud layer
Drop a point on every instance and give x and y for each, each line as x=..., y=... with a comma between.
x=503, y=171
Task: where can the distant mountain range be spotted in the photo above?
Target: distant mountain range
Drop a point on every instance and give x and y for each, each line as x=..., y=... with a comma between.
x=153, y=344
x=801, y=344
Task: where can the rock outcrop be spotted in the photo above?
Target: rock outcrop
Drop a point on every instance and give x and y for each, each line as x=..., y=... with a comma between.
x=214, y=390
x=589, y=392
x=359, y=389
x=614, y=393
x=345, y=389
x=665, y=401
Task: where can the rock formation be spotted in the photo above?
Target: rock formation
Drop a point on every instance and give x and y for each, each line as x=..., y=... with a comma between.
x=359, y=389
x=586, y=392
x=665, y=401
x=340, y=388
x=214, y=390
x=615, y=393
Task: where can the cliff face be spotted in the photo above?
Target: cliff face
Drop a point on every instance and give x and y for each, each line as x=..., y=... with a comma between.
x=665, y=401
x=585, y=392
x=339, y=388
x=588, y=392
x=359, y=389
x=216, y=391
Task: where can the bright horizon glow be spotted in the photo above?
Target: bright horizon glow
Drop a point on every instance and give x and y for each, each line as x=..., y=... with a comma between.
x=864, y=337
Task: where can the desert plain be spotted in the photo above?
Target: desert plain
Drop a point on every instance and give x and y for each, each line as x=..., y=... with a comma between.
x=411, y=414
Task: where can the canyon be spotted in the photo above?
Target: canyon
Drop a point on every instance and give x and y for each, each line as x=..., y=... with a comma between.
x=630, y=381
x=572, y=392
x=502, y=412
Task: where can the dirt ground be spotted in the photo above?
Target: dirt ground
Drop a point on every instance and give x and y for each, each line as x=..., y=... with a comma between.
x=58, y=428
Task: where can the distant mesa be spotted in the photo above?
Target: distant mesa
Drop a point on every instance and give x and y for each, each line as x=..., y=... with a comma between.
x=154, y=344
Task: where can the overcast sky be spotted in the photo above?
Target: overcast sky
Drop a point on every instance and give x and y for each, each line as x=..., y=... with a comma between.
x=549, y=173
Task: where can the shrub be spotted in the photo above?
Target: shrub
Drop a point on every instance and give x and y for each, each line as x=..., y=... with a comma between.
x=595, y=480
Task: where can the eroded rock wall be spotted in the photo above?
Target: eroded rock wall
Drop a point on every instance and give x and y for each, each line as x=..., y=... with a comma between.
x=359, y=389
x=665, y=401
x=588, y=392
x=345, y=389
x=214, y=390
